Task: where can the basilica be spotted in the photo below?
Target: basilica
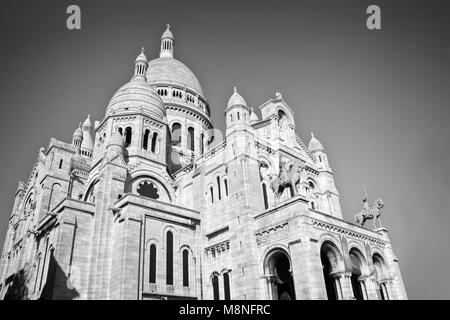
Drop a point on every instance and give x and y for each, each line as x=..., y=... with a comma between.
x=152, y=202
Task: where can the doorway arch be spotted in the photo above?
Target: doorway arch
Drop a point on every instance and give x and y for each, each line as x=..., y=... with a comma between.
x=278, y=272
x=332, y=264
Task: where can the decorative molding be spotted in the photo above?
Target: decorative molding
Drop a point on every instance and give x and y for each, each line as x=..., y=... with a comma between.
x=347, y=232
x=272, y=234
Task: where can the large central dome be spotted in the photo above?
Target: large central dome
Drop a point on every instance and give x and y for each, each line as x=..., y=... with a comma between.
x=168, y=70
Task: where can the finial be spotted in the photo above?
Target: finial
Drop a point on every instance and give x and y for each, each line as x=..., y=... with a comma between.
x=365, y=191
x=142, y=50
x=168, y=26
x=235, y=89
x=312, y=134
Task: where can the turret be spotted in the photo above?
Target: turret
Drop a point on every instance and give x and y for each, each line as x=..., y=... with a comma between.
x=329, y=195
x=140, y=67
x=317, y=150
x=77, y=138
x=237, y=112
x=167, y=43
x=87, y=144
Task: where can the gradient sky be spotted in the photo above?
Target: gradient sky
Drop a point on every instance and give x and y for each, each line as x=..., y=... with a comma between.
x=377, y=100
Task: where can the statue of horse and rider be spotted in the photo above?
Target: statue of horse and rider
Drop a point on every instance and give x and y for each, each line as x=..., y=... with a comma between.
x=370, y=212
x=289, y=177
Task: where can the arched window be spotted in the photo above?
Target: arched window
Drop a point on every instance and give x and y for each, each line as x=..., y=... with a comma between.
x=169, y=258
x=320, y=158
x=120, y=131
x=155, y=136
x=146, y=134
x=148, y=189
x=218, y=188
x=225, y=182
x=176, y=134
x=238, y=117
x=128, y=133
x=185, y=268
x=266, y=202
x=211, y=192
x=152, y=269
x=226, y=286
x=202, y=143
x=191, y=138
x=231, y=117
x=60, y=163
x=215, y=284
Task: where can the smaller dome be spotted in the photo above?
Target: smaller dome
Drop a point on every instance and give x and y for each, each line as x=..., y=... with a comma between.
x=314, y=144
x=236, y=100
x=140, y=95
x=78, y=132
x=116, y=139
x=141, y=56
x=253, y=117
x=167, y=33
x=87, y=122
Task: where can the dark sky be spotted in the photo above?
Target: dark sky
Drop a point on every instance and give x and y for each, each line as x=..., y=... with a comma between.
x=377, y=100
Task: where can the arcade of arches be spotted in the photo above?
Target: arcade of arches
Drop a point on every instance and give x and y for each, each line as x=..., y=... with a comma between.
x=346, y=277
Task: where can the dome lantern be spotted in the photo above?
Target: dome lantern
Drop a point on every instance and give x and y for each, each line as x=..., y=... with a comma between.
x=140, y=66
x=167, y=43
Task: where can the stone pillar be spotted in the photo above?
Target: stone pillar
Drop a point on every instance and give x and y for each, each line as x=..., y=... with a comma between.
x=370, y=288
x=345, y=285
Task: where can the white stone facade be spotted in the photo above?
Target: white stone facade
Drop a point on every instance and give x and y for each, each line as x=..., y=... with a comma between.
x=151, y=203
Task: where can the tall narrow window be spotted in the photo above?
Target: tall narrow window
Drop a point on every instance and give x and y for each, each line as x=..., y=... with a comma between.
x=225, y=182
x=226, y=285
x=238, y=117
x=211, y=192
x=191, y=138
x=185, y=268
x=60, y=163
x=154, y=138
x=152, y=271
x=169, y=258
x=176, y=134
x=266, y=202
x=128, y=131
x=145, y=144
x=218, y=188
x=202, y=143
x=120, y=131
x=215, y=284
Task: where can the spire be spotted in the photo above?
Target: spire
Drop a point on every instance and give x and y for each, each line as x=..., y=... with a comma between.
x=140, y=66
x=167, y=43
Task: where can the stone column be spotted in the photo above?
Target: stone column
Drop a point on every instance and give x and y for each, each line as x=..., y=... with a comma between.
x=345, y=285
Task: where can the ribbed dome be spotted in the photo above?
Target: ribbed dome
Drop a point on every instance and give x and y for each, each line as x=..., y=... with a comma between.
x=314, y=144
x=168, y=70
x=141, y=57
x=138, y=94
x=236, y=100
x=78, y=132
x=167, y=33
